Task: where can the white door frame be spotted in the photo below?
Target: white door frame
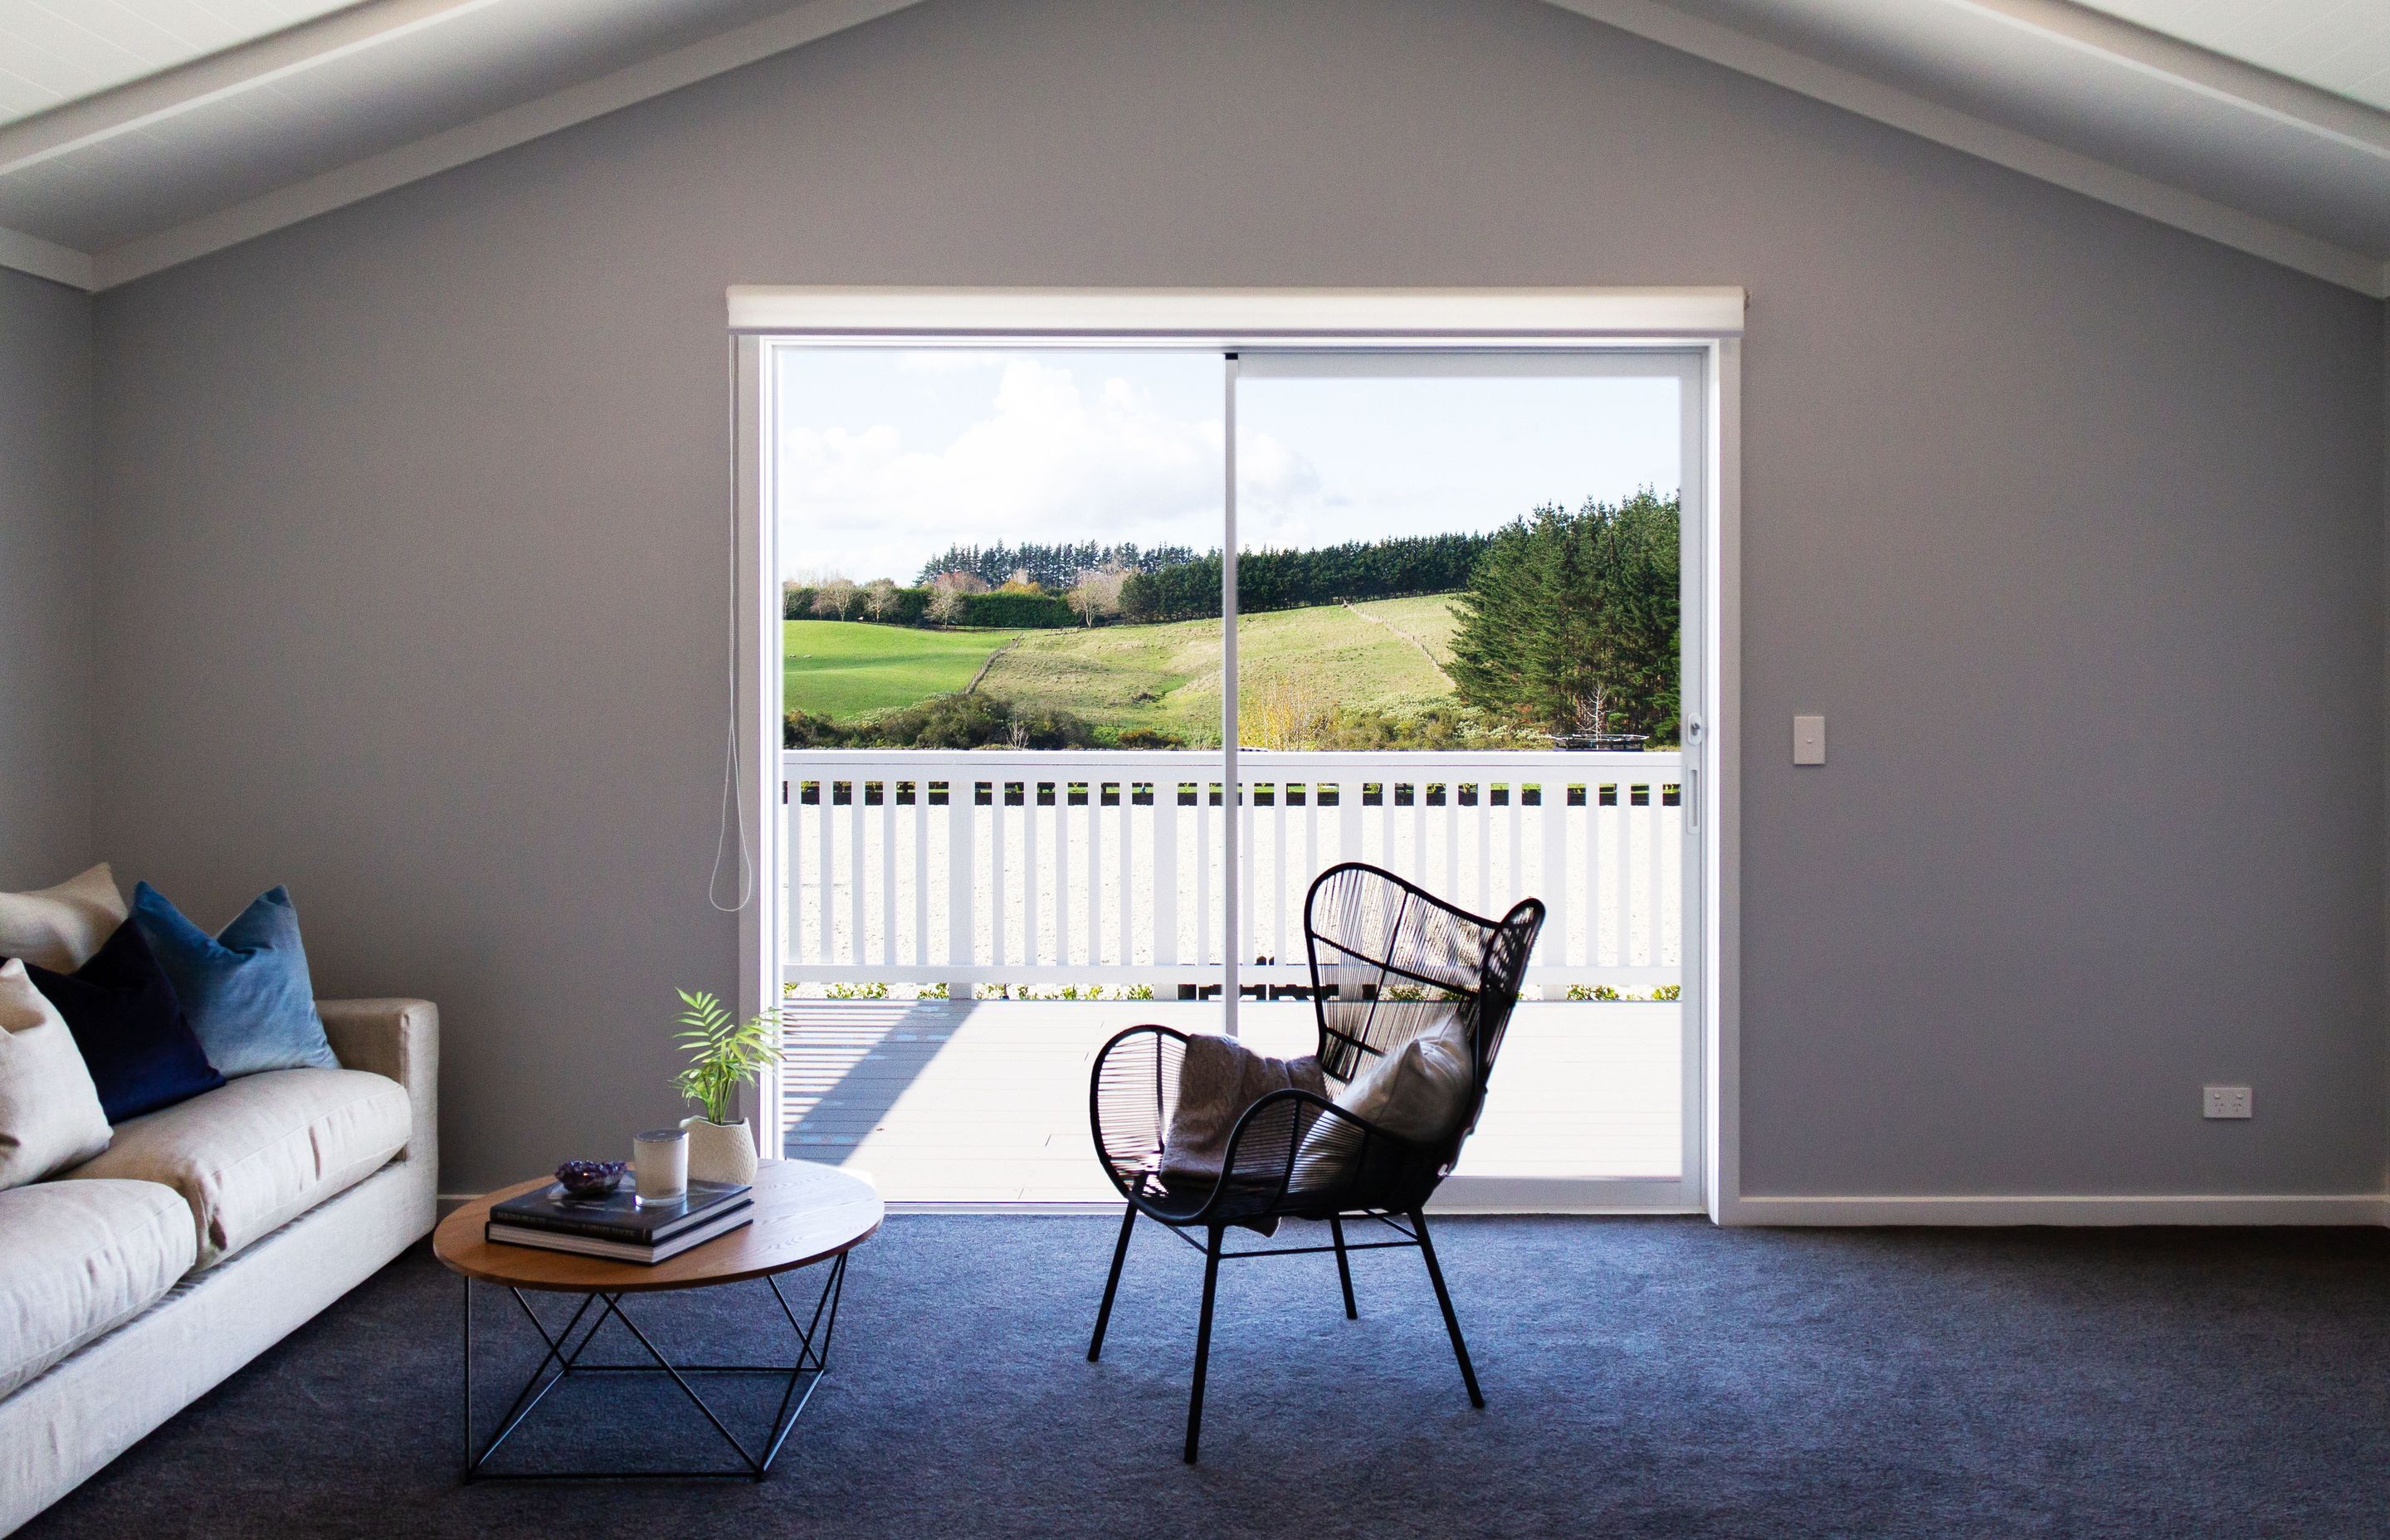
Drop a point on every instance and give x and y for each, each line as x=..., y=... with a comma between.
x=1705, y=321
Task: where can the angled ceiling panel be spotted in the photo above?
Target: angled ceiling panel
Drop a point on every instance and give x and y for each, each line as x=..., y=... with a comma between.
x=243, y=145
x=2337, y=45
x=56, y=51
x=2331, y=180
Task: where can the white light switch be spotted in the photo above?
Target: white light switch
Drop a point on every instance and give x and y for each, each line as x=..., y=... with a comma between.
x=1808, y=740
x=2226, y=1101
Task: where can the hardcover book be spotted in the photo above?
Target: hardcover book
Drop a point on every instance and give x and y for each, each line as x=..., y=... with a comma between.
x=620, y=1215
x=718, y=1220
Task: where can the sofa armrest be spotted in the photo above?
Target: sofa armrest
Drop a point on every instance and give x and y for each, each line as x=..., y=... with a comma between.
x=400, y=1039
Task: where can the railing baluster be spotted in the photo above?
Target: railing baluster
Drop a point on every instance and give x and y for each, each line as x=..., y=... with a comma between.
x=1247, y=878
x=1659, y=818
x=921, y=872
x=1202, y=870
x=855, y=805
x=1551, y=794
x=1096, y=871
x=887, y=865
x=1029, y=883
x=962, y=945
x=1123, y=938
x=800, y=841
x=825, y=833
x=1164, y=902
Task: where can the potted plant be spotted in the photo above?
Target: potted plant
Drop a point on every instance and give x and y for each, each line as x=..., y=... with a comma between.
x=724, y=1054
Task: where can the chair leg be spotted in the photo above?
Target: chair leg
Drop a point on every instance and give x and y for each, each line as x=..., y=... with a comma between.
x=1203, y=1344
x=1444, y=1298
x=1344, y=1267
x=1111, y=1284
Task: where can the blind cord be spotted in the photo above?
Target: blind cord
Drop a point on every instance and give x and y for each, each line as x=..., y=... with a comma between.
x=734, y=805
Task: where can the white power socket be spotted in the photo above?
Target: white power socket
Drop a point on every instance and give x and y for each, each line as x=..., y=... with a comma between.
x=2226, y=1101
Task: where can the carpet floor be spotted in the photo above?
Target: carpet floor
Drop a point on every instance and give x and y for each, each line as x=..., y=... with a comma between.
x=1643, y=1378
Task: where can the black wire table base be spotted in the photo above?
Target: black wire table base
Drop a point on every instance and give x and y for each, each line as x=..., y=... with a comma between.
x=564, y=1360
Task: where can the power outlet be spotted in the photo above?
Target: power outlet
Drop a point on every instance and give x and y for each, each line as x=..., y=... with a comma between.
x=2226, y=1101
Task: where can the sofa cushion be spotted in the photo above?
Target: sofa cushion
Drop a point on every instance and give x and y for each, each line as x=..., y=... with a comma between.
x=83, y=1258
x=61, y=928
x=129, y=1027
x=263, y=1150
x=246, y=989
x=49, y=1110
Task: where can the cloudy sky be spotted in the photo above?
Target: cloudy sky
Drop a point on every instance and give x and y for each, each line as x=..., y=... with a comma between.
x=887, y=457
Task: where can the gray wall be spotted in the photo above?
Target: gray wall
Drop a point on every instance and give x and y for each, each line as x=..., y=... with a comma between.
x=2073, y=525
x=45, y=586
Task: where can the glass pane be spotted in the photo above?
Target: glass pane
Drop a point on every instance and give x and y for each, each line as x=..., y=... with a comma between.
x=1456, y=645
x=1003, y=844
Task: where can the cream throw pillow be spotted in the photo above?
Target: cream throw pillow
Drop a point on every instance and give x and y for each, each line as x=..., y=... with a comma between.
x=49, y=1110
x=61, y=928
x=1419, y=1091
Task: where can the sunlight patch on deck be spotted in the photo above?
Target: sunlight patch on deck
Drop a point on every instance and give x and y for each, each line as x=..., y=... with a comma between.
x=987, y=1102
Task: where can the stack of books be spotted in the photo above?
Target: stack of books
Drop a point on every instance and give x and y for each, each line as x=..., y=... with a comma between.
x=619, y=1226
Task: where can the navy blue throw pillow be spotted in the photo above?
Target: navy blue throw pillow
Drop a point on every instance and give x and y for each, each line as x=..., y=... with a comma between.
x=121, y=1009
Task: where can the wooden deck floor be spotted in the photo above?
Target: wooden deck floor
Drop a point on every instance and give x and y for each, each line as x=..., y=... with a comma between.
x=987, y=1102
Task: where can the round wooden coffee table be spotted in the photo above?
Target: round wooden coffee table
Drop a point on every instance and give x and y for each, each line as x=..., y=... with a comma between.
x=804, y=1215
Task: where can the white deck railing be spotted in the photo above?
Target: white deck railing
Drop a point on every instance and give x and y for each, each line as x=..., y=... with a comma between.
x=1095, y=867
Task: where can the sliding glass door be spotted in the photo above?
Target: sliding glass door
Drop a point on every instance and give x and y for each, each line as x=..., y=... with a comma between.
x=1095, y=657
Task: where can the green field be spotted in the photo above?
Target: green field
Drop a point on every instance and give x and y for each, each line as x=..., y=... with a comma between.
x=1166, y=677
x=846, y=669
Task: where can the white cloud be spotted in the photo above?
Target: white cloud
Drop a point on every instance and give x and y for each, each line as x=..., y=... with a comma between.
x=1051, y=460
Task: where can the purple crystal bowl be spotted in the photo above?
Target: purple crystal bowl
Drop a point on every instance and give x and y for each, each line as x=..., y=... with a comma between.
x=590, y=1178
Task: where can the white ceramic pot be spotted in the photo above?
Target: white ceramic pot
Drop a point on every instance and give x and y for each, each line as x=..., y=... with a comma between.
x=720, y=1151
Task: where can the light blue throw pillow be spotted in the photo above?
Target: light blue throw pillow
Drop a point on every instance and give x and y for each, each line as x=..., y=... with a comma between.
x=245, y=991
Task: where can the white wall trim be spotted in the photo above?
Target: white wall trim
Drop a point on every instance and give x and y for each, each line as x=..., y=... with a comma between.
x=500, y=131
x=45, y=260
x=2364, y=272
x=1721, y=1030
x=2367, y=1208
x=1231, y=315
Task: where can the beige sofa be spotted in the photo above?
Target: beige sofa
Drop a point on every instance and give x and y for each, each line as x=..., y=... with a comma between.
x=133, y=1283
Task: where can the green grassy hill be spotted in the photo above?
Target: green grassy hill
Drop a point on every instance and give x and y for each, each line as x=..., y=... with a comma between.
x=846, y=669
x=1385, y=655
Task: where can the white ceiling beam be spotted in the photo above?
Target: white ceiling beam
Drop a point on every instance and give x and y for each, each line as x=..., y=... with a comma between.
x=2363, y=271
x=500, y=131
x=154, y=99
x=46, y=260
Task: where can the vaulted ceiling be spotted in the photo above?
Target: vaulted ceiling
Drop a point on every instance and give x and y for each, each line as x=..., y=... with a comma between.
x=138, y=134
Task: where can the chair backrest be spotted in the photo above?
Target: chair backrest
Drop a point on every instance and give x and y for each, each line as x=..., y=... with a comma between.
x=1389, y=961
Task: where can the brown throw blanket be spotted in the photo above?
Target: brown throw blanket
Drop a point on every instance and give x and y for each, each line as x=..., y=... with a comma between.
x=1219, y=1078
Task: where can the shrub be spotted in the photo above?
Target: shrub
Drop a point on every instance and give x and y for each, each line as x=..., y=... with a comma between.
x=804, y=730
x=960, y=720
x=1148, y=737
x=1015, y=610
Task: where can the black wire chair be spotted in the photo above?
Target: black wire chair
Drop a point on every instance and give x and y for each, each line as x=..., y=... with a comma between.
x=1388, y=961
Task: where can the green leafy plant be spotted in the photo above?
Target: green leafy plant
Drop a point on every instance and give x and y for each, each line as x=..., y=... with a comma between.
x=724, y=1052
x=1670, y=992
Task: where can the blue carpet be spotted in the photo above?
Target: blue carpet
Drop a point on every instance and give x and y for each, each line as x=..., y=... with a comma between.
x=1645, y=1377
